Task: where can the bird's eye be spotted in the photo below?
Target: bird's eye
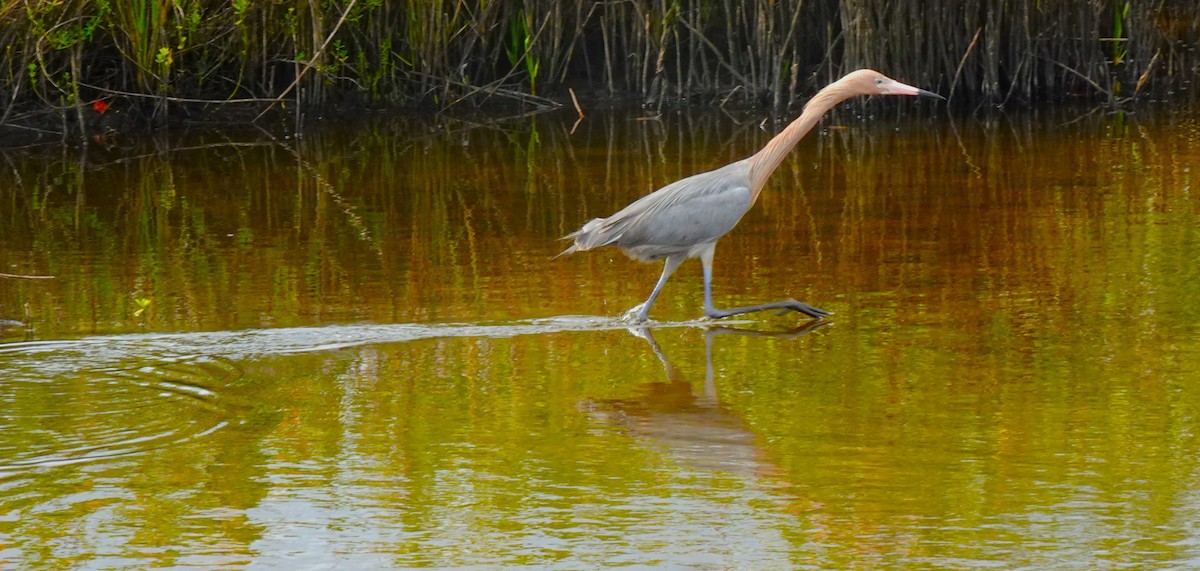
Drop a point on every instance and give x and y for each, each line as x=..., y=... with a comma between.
x=878, y=81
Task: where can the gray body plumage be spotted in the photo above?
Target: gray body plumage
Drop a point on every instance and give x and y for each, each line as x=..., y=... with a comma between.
x=683, y=218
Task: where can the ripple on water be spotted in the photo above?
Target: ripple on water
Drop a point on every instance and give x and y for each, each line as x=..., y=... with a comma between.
x=53, y=417
x=99, y=397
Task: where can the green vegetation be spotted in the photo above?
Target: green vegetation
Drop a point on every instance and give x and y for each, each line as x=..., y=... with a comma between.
x=153, y=59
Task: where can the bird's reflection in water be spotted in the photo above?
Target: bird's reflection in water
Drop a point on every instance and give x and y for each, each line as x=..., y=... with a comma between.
x=692, y=426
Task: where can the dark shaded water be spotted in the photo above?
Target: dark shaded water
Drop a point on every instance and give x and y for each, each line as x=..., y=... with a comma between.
x=352, y=350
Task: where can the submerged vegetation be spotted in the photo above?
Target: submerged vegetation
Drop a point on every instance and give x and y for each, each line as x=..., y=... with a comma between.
x=68, y=62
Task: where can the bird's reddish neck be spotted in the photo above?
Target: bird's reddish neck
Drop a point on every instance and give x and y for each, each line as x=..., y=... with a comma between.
x=765, y=161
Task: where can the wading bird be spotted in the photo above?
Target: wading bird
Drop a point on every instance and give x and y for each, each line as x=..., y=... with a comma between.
x=686, y=218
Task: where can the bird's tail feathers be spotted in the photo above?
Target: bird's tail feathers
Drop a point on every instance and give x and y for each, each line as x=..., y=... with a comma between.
x=591, y=235
x=570, y=250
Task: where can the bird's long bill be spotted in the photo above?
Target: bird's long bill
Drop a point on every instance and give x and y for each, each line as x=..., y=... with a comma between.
x=905, y=89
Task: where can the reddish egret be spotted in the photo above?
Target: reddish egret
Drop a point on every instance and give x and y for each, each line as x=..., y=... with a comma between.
x=686, y=218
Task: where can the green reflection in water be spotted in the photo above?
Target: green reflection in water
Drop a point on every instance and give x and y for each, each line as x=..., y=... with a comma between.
x=1010, y=379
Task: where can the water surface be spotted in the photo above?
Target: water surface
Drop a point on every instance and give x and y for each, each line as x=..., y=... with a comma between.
x=352, y=350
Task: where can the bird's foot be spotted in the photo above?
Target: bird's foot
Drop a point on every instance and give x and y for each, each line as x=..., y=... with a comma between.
x=714, y=313
x=783, y=307
x=806, y=309
x=636, y=314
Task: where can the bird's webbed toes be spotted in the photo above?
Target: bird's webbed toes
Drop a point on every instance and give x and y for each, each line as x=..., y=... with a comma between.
x=801, y=307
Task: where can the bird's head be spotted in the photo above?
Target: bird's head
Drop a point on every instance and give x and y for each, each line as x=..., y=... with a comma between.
x=871, y=82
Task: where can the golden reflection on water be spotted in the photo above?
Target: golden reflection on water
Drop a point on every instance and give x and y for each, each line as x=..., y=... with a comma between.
x=1010, y=377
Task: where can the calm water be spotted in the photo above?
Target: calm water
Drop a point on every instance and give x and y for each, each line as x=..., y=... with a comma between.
x=351, y=350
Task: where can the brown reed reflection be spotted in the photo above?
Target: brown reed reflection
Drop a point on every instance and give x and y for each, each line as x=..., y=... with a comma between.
x=423, y=222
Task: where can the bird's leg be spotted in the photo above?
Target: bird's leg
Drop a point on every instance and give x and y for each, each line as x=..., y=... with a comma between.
x=639, y=312
x=706, y=260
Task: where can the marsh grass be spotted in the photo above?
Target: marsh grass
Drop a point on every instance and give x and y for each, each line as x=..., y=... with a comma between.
x=152, y=60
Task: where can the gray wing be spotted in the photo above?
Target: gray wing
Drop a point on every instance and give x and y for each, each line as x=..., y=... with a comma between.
x=700, y=212
x=696, y=210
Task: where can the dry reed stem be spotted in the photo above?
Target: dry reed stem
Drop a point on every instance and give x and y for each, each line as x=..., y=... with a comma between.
x=311, y=62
